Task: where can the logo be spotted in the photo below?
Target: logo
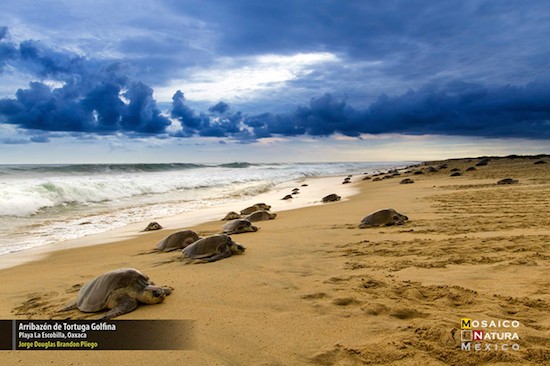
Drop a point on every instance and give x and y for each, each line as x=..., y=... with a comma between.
x=477, y=335
x=466, y=323
x=466, y=335
x=489, y=335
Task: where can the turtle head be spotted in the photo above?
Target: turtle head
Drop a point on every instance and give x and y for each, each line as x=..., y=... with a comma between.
x=237, y=248
x=399, y=219
x=244, y=226
x=251, y=228
x=153, y=294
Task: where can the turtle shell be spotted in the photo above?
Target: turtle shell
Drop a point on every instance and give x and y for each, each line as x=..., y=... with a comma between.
x=331, y=198
x=260, y=215
x=238, y=226
x=383, y=217
x=178, y=240
x=207, y=247
x=256, y=207
x=507, y=181
x=231, y=216
x=93, y=295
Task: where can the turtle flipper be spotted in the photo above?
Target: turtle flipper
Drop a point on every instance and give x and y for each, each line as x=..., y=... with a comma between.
x=124, y=306
x=225, y=254
x=69, y=306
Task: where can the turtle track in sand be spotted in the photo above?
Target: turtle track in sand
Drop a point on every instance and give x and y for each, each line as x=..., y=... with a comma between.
x=49, y=303
x=412, y=286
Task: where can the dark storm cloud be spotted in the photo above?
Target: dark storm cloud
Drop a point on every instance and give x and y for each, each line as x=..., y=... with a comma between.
x=456, y=109
x=94, y=96
x=466, y=109
x=219, y=123
x=46, y=62
x=101, y=98
x=221, y=108
x=191, y=123
x=142, y=114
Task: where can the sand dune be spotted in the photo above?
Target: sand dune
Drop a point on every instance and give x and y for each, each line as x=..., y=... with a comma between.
x=312, y=288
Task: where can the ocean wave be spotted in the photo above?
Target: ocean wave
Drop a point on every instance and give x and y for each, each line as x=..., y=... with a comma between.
x=237, y=165
x=30, y=169
x=29, y=197
x=30, y=190
x=94, y=168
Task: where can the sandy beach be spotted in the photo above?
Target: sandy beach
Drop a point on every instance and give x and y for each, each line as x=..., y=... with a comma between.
x=313, y=288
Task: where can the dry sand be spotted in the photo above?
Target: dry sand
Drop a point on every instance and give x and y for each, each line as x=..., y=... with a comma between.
x=312, y=288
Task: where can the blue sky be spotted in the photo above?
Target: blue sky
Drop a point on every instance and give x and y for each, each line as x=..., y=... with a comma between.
x=215, y=80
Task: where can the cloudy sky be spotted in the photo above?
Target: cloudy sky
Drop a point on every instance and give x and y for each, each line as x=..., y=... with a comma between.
x=245, y=80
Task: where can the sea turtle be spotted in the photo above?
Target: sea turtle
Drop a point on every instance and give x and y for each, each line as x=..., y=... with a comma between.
x=178, y=240
x=483, y=162
x=260, y=215
x=120, y=290
x=385, y=217
x=231, y=216
x=287, y=197
x=256, y=207
x=407, y=181
x=333, y=197
x=213, y=248
x=239, y=226
x=153, y=226
x=507, y=181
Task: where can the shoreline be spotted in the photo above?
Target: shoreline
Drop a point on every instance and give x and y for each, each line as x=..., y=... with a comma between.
x=76, y=202
x=309, y=196
x=313, y=288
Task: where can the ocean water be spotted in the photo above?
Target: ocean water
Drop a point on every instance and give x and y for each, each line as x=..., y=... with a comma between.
x=44, y=204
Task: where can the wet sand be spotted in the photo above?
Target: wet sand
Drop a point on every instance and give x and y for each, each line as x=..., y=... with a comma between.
x=312, y=288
